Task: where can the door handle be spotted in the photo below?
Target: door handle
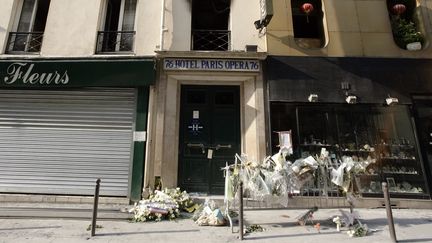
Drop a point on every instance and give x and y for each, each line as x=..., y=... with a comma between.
x=196, y=145
x=226, y=146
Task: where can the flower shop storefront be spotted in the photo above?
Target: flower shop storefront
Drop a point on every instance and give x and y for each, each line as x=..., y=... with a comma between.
x=370, y=113
x=65, y=123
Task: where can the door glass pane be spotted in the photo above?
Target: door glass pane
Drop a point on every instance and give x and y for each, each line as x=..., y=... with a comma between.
x=126, y=43
x=224, y=98
x=129, y=15
x=112, y=15
x=41, y=15
x=196, y=97
x=26, y=16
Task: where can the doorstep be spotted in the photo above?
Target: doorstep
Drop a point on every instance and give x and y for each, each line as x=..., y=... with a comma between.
x=33, y=198
x=65, y=207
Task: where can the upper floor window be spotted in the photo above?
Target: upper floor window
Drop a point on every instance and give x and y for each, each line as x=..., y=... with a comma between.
x=210, y=25
x=308, y=23
x=405, y=24
x=29, y=27
x=117, y=30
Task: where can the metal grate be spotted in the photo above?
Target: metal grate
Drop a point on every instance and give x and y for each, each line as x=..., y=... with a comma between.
x=60, y=141
x=29, y=42
x=115, y=41
x=211, y=40
x=313, y=193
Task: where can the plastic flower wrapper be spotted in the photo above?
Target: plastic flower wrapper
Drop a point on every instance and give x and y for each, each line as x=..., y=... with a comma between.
x=301, y=171
x=338, y=175
x=160, y=205
x=323, y=171
x=209, y=214
x=358, y=230
x=338, y=222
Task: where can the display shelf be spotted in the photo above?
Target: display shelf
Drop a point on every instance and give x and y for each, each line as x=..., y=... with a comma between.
x=410, y=195
x=396, y=158
x=315, y=145
x=396, y=175
x=395, y=163
x=355, y=151
x=403, y=146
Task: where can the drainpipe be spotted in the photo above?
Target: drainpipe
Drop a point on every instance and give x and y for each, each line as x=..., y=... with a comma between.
x=163, y=29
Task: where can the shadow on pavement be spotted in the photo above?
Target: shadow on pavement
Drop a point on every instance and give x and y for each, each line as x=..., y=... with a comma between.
x=30, y=228
x=145, y=232
x=288, y=236
x=417, y=240
x=401, y=222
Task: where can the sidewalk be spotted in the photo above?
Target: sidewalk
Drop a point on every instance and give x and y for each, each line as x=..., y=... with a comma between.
x=280, y=226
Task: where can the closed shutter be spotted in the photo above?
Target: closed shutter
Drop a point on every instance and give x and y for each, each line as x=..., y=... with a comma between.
x=61, y=141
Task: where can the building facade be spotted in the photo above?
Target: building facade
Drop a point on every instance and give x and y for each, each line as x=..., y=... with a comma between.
x=341, y=77
x=134, y=92
x=75, y=81
x=146, y=94
x=208, y=103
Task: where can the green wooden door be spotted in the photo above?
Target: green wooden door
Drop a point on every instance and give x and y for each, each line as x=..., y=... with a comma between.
x=209, y=136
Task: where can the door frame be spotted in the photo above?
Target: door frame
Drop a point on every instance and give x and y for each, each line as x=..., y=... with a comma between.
x=419, y=100
x=163, y=153
x=210, y=93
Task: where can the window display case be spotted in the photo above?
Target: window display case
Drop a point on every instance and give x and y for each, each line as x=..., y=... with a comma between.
x=380, y=136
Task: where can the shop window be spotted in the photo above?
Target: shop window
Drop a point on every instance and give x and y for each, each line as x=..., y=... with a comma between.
x=380, y=135
x=29, y=27
x=406, y=20
x=308, y=23
x=117, y=33
x=210, y=25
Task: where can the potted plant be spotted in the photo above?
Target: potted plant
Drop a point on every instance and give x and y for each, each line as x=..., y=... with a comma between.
x=406, y=34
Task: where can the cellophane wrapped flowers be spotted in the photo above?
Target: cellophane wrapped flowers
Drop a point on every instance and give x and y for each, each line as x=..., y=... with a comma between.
x=165, y=204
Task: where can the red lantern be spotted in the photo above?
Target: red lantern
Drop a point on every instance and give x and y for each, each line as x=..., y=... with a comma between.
x=399, y=9
x=307, y=8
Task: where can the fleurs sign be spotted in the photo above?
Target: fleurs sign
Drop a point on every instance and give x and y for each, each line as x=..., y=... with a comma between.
x=24, y=73
x=76, y=73
x=212, y=65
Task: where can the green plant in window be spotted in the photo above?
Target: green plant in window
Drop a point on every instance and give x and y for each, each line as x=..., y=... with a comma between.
x=405, y=32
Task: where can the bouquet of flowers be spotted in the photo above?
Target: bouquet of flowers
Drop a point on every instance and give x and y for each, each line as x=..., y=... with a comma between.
x=165, y=204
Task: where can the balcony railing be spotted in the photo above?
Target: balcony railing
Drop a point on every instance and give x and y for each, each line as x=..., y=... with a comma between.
x=211, y=40
x=115, y=41
x=24, y=42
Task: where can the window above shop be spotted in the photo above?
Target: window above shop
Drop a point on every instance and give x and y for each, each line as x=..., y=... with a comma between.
x=308, y=23
x=210, y=25
x=117, y=32
x=29, y=27
x=406, y=19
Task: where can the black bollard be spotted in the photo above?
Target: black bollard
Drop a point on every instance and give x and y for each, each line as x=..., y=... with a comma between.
x=389, y=212
x=95, y=207
x=241, y=210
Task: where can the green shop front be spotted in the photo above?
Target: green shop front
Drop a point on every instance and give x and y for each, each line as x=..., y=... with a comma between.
x=66, y=123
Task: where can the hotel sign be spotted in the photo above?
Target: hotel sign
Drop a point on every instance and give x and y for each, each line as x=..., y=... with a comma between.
x=228, y=65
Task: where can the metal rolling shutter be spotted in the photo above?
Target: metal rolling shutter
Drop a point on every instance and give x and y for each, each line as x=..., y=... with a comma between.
x=61, y=141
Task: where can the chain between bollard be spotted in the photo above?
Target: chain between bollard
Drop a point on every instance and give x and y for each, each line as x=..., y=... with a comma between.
x=389, y=212
x=95, y=207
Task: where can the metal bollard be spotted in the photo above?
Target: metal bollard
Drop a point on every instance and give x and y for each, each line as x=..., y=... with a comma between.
x=241, y=210
x=95, y=207
x=389, y=212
